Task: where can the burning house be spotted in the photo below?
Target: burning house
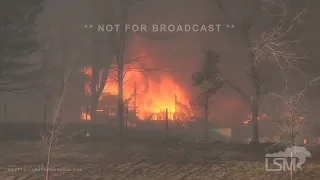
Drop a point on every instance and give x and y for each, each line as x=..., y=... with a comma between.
x=146, y=97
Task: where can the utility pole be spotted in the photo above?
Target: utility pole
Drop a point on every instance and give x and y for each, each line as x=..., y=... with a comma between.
x=126, y=121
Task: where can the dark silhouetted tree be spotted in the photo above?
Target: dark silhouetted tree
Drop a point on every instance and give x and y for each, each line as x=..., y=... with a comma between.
x=117, y=41
x=100, y=69
x=209, y=80
x=18, y=72
x=272, y=45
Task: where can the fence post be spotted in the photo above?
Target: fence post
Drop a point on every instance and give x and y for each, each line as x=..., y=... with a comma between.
x=167, y=125
x=126, y=121
x=86, y=121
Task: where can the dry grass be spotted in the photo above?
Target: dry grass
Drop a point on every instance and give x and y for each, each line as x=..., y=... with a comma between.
x=139, y=161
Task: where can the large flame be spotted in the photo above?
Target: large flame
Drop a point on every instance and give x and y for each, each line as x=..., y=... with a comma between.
x=151, y=94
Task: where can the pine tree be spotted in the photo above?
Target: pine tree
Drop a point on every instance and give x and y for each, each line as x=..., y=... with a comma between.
x=209, y=80
x=17, y=40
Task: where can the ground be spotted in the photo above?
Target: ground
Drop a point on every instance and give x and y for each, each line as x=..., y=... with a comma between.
x=137, y=160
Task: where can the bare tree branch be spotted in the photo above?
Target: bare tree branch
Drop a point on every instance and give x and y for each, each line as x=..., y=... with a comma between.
x=51, y=139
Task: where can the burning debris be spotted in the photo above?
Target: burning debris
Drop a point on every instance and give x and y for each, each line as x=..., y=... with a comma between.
x=85, y=116
x=247, y=121
x=265, y=116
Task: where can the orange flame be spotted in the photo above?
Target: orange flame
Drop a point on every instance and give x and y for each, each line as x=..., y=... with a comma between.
x=288, y=115
x=246, y=121
x=151, y=95
x=85, y=116
x=262, y=116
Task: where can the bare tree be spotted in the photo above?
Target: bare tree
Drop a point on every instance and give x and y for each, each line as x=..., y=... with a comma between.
x=102, y=53
x=100, y=67
x=18, y=72
x=295, y=119
x=297, y=111
x=58, y=74
x=53, y=136
x=121, y=61
x=119, y=53
x=117, y=41
x=116, y=13
x=272, y=46
x=210, y=81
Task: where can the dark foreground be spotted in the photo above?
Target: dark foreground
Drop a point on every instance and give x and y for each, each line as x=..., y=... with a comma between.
x=139, y=160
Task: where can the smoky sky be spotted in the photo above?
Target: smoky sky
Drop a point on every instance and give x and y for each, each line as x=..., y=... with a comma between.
x=62, y=25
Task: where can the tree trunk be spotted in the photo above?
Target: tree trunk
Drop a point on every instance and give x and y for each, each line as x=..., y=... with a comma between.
x=120, y=101
x=206, y=119
x=93, y=89
x=93, y=107
x=120, y=64
x=86, y=122
x=255, y=125
x=255, y=102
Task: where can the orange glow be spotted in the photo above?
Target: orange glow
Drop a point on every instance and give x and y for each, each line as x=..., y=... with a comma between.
x=305, y=141
x=155, y=92
x=85, y=116
x=246, y=121
x=287, y=114
x=262, y=116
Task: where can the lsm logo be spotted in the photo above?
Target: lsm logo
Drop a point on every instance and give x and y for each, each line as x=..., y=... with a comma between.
x=296, y=155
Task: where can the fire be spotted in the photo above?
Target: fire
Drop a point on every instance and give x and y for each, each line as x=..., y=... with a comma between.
x=262, y=116
x=150, y=94
x=305, y=141
x=288, y=115
x=246, y=121
x=265, y=116
x=85, y=116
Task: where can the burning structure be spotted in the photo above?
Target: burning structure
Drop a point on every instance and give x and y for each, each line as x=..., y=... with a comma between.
x=145, y=97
